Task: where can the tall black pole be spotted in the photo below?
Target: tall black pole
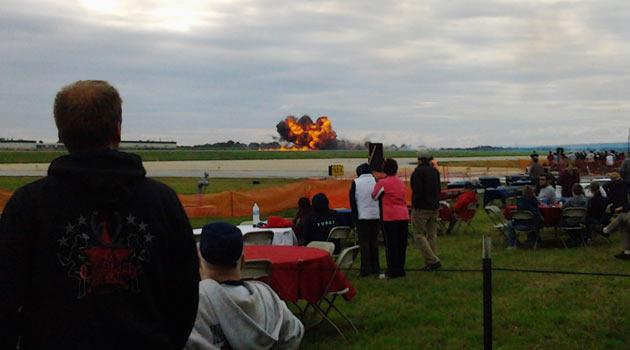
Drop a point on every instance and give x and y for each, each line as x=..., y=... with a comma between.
x=487, y=294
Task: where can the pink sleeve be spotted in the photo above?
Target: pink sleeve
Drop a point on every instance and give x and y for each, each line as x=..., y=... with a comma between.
x=378, y=189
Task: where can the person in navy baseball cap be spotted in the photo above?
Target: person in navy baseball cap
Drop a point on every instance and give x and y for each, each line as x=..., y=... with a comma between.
x=221, y=244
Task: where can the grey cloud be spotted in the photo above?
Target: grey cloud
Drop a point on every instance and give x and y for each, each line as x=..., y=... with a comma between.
x=442, y=73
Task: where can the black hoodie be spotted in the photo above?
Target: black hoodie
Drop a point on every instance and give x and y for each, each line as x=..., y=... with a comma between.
x=96, y=256
x=320, y=221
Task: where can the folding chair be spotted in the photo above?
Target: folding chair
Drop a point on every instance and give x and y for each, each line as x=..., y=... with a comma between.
x=573, y=220
x=496, y=217
x=326, y=246
x=340, y=234
x=523, y=222
x=255, y=269
x=467, y=216
x=344, y=264
x=258, y=238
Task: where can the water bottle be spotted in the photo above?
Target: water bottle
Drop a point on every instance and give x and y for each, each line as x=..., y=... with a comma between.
x=255, y=214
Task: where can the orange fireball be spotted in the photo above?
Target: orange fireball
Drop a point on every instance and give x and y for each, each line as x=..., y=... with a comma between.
x=303, y=134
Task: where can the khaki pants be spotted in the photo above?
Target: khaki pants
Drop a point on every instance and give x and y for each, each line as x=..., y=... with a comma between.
x=425, y=232
x=622, y=222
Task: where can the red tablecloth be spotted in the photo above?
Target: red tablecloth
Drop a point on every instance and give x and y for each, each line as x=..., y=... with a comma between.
x=300, y=273
x=551, y=215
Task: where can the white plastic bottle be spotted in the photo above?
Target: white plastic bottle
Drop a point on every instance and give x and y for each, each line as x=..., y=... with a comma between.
x=255, y=214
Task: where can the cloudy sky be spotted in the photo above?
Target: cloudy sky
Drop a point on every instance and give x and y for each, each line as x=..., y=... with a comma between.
x=437, y=73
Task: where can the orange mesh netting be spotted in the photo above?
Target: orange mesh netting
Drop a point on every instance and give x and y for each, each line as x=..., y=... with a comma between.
x=239, y=203
x=4, y=198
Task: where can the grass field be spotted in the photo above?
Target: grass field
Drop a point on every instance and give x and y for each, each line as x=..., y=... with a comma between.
x=443, y=310
x=182, y=185
x=185, y=154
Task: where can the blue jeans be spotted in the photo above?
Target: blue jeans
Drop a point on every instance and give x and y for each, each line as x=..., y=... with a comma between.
x=512, y=227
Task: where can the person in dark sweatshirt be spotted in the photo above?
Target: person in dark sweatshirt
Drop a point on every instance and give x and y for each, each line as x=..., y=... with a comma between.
x=95, y=255
x=320, y=221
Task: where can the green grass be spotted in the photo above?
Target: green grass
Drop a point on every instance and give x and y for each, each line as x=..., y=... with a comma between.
x=187, y=154
x=443, y=310
x=182, y=185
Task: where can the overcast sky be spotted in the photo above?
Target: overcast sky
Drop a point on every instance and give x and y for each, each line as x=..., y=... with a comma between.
x=437, y=73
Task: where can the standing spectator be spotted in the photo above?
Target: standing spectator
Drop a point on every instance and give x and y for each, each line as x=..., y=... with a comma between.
x=365, y=211
x=527, y=202
x=550, y=159
x=535, y=169
x=391, y=192
x=320, y=221
x=610, y=160
x=547, y=194
x=304, y=209
x=237, y=314
x=95, y=255
x=567, y=178
x=425, y=187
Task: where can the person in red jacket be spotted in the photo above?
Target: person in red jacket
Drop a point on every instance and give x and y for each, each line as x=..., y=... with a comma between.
x=459, y=210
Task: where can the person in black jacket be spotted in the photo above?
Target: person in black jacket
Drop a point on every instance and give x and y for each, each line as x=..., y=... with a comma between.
x=425, y=188
x=95, y=255
x=320, y=221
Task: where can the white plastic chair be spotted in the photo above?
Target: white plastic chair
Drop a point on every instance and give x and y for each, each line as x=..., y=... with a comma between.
x=258, y=238
x=329, y=247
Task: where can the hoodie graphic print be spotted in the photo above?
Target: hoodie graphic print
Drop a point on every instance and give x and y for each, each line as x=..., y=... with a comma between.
x=104, y=252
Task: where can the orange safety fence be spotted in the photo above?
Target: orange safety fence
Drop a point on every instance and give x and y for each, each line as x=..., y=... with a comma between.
x=4, y=198
x=239, y=203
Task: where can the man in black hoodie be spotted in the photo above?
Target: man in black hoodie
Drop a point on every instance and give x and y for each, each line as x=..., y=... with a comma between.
x=425, y=192
x=95, y=255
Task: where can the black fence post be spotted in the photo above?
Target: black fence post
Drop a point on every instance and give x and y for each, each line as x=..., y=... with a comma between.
x=487, y=294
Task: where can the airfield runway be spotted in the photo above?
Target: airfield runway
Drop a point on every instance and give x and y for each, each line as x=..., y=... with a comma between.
x=269, y=168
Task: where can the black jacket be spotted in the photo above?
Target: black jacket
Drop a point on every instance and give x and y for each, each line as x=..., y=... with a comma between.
x=425, y=187
x=617, y=193
x=97, y=256
x=320, y=221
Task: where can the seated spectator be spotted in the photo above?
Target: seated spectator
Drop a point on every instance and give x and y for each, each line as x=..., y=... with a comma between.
x=527, y=202
x=304, y=209
x=320, y=221
x=232, y=313
x=547, y=194
x=567, y=178
x=460, y=207
x=578, y=199
x=596, y=210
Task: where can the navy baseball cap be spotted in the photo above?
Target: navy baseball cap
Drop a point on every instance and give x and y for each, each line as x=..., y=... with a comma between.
x=221, y=244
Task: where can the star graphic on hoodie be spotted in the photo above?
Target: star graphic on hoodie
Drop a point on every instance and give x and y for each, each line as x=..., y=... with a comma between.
x=69, y=228
x=82, y=220
x=142, y=226
x=130, y=219
x=63, y=241
x=149, y=237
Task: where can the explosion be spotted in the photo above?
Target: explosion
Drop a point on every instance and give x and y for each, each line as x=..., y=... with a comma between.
x=303, y=134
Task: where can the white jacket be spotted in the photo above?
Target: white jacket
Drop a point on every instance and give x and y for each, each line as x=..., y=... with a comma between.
x=247, y=316
x=367, y=207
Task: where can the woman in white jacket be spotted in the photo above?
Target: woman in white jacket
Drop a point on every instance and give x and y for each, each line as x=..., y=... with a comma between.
x=366, y=213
